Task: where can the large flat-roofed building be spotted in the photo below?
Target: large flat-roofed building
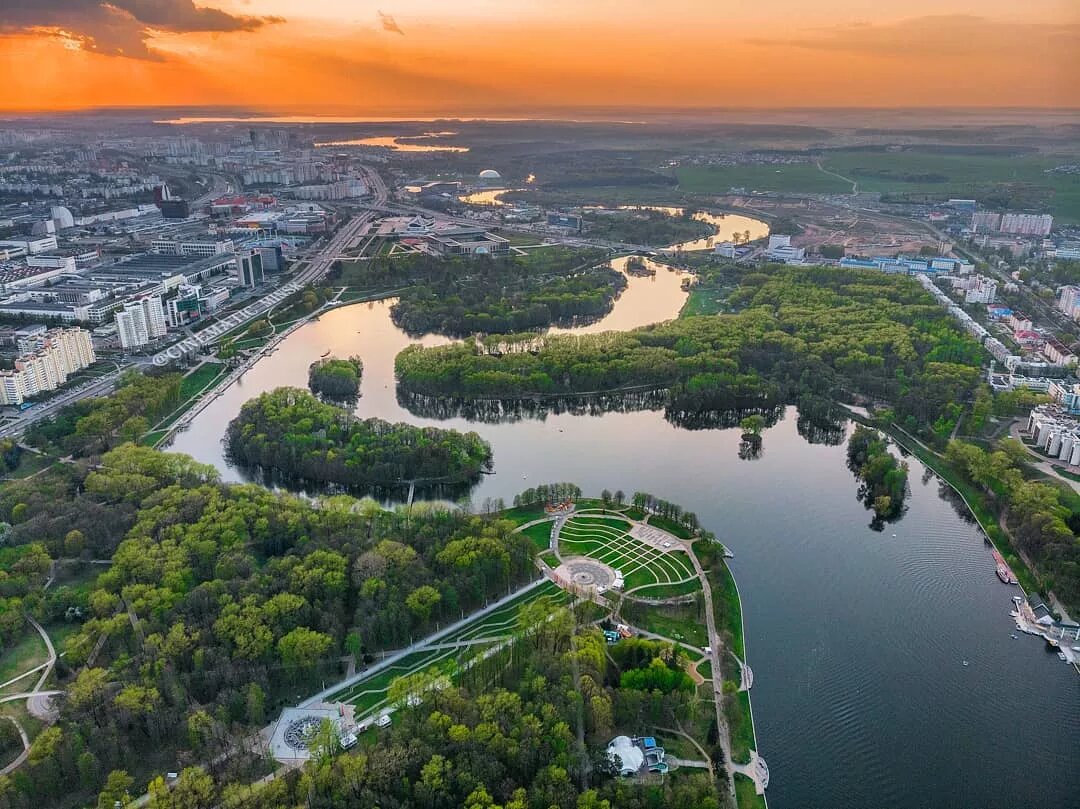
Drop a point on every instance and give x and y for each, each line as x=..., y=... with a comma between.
x=192, y=247
x=55, y=355
x=462, y=240
x=20, y=275
x=47, y=312
x=31, y=245
x=155, y=266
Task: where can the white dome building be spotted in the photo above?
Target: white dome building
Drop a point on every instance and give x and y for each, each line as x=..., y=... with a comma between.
x=62, y=217
x=490, y=174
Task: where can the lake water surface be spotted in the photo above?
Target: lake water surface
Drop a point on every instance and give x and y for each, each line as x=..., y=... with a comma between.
x=856, y=636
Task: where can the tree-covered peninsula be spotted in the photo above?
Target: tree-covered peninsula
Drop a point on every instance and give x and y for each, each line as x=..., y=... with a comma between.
x=335, y=378
x=462, y=296
x=788, y=333
x=291, y=433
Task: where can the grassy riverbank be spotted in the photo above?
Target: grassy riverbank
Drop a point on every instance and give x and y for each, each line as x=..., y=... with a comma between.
x=199, y=381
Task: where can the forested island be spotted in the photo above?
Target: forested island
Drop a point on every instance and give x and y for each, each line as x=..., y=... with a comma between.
x=789, y=333
x=291, y=433
x=884, y=478
x=335, y=378
x=645, y=226
x=462, y=296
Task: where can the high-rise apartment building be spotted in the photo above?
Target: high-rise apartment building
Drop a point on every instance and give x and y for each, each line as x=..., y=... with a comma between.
x=249, y=267
x=141, y=321
x=1027, y=224
x=52, y=357
x=1069, y=300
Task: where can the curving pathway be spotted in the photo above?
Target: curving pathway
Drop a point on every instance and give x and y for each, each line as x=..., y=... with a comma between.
x=37, y=700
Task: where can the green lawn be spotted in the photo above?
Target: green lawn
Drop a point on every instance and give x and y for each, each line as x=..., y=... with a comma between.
x=201, y=379
x=27, y=651
x=504, y=621
x=672, y=527
x=678, y=623
x=669, y=590
x=745, y=795
x=741, y=726
x=196, y=381
x=540, y=535
x=523, y=514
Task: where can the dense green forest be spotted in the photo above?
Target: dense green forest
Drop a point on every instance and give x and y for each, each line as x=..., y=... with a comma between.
x=1042, y=518
x=462, y=296
x=92, y=426
x=290, y=432
x=653, y=228
x=791, y=332
x=535, y=739
x=884, y=478
x=336, y=378
x=221, y=604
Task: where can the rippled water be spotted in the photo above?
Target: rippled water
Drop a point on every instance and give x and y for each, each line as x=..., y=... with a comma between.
x=856, y=637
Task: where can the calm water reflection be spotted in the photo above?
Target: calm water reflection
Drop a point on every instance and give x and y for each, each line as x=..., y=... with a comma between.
x=856, y=637
x=400, y=143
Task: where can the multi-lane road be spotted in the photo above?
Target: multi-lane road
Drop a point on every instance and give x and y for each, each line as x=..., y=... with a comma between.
x=310, y=268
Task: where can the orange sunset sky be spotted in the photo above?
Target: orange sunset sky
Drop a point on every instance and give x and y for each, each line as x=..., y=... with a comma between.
x=483, y=56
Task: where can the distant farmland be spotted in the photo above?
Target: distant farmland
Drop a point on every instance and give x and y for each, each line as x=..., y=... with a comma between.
x=998, y=180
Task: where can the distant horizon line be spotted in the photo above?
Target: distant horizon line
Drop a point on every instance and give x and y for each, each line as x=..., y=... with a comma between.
x=509, y=113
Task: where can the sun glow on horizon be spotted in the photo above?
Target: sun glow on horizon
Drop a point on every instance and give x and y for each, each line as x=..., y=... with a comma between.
x=425, y=57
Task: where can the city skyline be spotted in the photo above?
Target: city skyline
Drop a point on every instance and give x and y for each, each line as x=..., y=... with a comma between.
x=482, y=57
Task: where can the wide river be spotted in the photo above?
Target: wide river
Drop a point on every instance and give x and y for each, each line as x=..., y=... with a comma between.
x=857, y=638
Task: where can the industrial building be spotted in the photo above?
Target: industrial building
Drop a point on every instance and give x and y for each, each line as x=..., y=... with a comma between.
x=781, y=249
x=910, y=266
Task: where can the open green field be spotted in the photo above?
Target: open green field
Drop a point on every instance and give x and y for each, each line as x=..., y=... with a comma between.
x=804, y=178
x=607, y=540
x=1025, y=179
x=197, y=381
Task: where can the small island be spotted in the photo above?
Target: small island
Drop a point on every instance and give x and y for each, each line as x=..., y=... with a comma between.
x=884, y=478
x=334, y=378
x=289, y=432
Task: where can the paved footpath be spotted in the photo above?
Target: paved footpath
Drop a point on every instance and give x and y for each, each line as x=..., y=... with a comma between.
x=420, y=645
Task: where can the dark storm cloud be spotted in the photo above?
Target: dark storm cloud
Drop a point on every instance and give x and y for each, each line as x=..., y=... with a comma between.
x=119, y=27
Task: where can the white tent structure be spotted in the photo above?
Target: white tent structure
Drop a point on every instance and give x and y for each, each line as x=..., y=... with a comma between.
x=625, y=755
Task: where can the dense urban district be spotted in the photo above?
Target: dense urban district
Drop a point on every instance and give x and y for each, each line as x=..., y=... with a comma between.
x=351, y=628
